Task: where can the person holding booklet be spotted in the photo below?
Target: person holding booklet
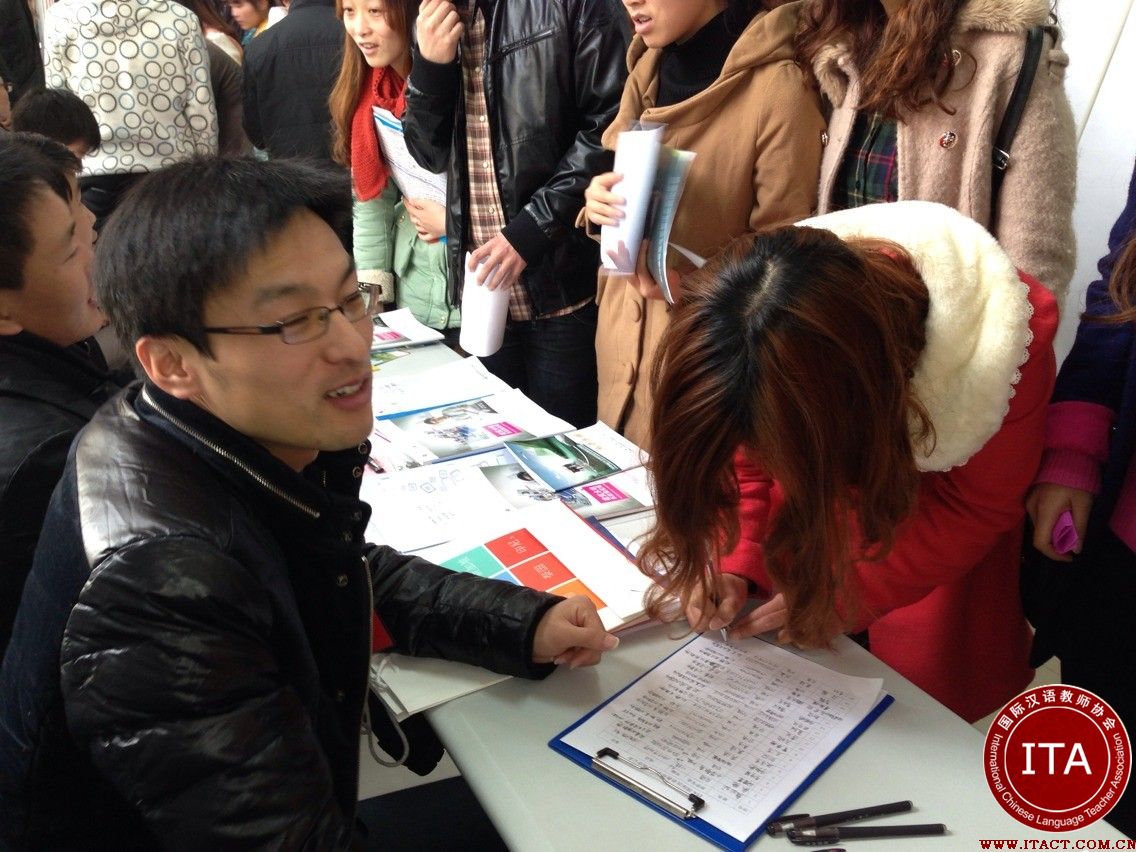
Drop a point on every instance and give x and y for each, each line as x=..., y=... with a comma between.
x=720, y=75
x=847, y=416
x=398, y=242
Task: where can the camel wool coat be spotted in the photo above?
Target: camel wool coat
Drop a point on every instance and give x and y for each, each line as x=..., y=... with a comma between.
x=756, y=132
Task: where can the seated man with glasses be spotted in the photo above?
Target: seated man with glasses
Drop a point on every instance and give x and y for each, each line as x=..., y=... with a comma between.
x=189, y=664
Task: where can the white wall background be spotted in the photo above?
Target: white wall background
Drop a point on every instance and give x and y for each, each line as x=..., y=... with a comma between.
x=1100, y=37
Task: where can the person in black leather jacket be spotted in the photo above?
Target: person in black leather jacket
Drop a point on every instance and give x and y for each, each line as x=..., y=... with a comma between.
x=189, y=665
x=52, y=374
x=552, y=77
x=288, y=74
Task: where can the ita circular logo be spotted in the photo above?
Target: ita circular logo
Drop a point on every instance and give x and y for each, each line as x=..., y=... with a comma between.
x=1057, y=757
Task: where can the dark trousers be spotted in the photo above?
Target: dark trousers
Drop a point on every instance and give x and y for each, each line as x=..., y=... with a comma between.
x=553, y=362
x=1083, y=613
x=1099, y=651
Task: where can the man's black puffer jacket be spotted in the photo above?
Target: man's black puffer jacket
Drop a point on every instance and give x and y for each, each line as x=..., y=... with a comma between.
x=214, y=612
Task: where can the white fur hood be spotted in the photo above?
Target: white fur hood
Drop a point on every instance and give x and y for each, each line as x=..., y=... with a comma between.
x=977, y=327
x=832, y=64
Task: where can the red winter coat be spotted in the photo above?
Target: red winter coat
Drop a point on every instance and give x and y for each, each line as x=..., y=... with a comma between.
x=945, y=600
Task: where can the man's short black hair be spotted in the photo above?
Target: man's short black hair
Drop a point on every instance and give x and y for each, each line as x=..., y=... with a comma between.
x=188, y=231
x=29, y=164
x=58, y=114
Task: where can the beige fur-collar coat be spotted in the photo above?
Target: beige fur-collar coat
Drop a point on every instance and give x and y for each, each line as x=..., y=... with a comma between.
x=947, y=157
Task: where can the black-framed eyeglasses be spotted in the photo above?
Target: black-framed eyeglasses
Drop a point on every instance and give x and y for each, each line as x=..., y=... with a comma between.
x=313, y=323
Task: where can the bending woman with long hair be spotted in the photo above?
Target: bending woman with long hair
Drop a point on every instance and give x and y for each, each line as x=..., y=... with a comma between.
x=847, y=415
x=918, y=89
x=397, y=241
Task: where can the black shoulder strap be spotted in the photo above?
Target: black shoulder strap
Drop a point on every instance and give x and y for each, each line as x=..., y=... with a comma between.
x=1014, y=109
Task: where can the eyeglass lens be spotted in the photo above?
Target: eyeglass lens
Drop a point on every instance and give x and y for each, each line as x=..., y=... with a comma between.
x=314, y=323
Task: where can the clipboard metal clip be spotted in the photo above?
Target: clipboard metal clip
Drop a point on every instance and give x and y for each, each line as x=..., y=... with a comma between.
x=671, y=806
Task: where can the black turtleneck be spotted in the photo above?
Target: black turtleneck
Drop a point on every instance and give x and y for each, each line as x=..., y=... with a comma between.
x=688, y=68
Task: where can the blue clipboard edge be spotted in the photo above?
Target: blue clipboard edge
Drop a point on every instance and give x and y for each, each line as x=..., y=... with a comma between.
x=697, y=824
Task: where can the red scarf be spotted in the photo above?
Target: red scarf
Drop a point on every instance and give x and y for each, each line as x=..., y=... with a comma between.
x=382, y=88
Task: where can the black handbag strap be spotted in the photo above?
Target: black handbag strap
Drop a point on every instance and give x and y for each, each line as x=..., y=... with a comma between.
x=1014, y=109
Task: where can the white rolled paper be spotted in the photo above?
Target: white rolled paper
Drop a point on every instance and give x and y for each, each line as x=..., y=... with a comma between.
x=483, y=313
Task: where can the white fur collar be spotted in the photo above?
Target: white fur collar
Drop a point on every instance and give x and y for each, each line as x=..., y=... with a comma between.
x=833, y=64
x=977, y=326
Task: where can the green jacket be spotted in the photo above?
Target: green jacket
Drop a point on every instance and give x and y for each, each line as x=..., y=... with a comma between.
x=388, y=251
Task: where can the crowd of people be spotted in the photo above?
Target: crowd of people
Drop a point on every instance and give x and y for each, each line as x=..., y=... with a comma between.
x=853, y=409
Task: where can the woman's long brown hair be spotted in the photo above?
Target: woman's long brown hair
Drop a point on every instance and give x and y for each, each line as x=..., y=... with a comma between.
x=797, y=349
x=353, y=73
x=904, y=61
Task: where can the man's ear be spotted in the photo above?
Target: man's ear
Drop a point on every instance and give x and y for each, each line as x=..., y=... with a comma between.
x=9, y=322
x=171, y=363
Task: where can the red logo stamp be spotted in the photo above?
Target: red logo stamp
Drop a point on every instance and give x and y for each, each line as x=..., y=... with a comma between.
x=1057, y=758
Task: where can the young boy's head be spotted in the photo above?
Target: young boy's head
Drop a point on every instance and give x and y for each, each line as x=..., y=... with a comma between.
x=46, y=243
x=60, y=115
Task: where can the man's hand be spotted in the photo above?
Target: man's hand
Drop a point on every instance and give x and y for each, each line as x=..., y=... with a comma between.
x=571, y=634
x=497, y=254
x=439, y=31
x=1045, y=503
x=428, y=218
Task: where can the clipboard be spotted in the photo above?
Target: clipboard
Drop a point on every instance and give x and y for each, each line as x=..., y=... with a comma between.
x=674, y=799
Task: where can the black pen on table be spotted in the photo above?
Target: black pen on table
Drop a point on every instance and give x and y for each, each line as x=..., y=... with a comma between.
x=782, y=824
x=837, y=833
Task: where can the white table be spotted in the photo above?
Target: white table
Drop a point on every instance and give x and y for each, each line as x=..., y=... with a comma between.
x=539, y=800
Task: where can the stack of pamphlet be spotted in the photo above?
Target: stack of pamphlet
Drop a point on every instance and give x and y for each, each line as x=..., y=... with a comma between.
x=543, y=547
x=476, y=477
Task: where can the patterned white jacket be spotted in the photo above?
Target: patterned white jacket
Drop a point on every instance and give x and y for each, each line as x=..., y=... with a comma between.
x=142, y=68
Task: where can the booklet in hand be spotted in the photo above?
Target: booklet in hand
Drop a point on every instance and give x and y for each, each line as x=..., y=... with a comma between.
x=653, y=179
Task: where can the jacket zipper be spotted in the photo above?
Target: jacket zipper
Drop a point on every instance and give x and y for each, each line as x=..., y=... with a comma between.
x=229, y=457
x=520, y=45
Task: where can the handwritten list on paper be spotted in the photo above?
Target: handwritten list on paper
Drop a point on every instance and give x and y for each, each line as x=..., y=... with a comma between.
x=741, y=725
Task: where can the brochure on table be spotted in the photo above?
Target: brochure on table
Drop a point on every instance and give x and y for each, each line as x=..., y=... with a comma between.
x=421, y=506
x=400, y=328
x=544, y=547
x=622, y=493
x=743, y=726
x=446, y=384
x=459, y=429
x=576, y=457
